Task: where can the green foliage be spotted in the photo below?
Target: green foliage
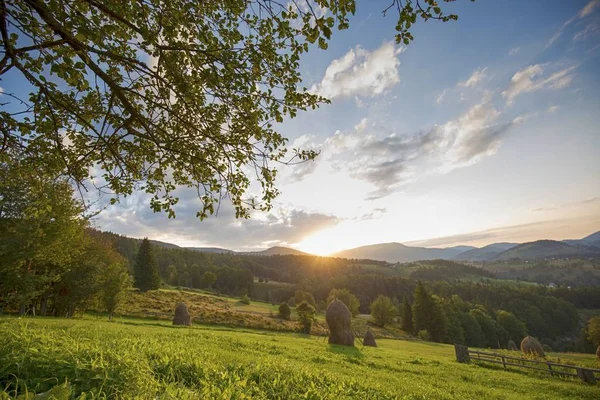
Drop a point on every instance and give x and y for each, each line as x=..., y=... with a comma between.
x=114, y=285
x=284, y=311
x=301, y=296
x=514, y=328
x=406, y=316
x=346, y=297
x=383, y=311
x=488, y=327
x=209, y=279
x=245, y=299
x=593, y=330
x=428, y=314
x=41, y=231
x=168, y=93
x=423, y=334
x=146, y=275
x=306, y=316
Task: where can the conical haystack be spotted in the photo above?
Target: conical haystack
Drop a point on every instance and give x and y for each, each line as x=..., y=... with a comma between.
x=339, y=319
x=531, y=345
x=369, y=339
x=182, y=315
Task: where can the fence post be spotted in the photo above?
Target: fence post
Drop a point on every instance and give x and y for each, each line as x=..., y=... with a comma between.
x=503, y=361
x=586, y=375
x=462, y=353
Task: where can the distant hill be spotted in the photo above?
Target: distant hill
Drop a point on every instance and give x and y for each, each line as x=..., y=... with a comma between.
x=211, y=250
x=277, y=251
x=548, y=249
x=485, y=253
x=397, y=252
x=592, y=240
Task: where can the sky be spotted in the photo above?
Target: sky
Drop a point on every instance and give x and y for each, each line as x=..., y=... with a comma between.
x=482, y=130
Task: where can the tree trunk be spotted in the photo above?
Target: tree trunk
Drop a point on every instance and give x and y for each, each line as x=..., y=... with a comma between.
x=22, y=310
x=44, y=306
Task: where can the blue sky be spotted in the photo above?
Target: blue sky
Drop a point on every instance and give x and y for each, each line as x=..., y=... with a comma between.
x=482, y=130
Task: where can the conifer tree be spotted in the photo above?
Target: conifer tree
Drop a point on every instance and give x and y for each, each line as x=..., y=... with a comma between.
x=407, y=316
x=421, y=308
x=146, y=268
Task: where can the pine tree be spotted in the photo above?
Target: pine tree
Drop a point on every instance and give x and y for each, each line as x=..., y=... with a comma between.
x=146, y=268
x=407, y=316
x=421, y=308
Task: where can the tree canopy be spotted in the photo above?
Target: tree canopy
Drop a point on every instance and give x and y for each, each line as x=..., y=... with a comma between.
x=155, y=95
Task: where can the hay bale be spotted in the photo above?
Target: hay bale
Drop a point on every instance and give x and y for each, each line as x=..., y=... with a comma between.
x=512, y=345
x=182, y=315
x=369, y=339
x=531, y=345
x=339, y=319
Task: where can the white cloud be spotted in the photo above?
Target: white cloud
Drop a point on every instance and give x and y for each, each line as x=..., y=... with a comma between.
x=390, y=162
x=534, y=77
x=361, y=73
x=440, y=97
x=514, y=51
x=305, y=7
x=475, y=79
x=552, y=109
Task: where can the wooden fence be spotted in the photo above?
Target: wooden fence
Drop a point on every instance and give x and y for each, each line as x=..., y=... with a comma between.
x=588, y=375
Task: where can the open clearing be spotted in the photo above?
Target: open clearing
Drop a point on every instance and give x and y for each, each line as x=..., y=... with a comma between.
x=151, y=359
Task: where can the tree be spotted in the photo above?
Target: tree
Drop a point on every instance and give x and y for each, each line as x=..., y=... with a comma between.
x=113, y=287
x=593, y=330
x=514, y=328
x=488, y=326
x=41, y=231
x=209, y=279
x=306, y=315
x=421, y=308
x=146, y=275
x=406, y=316
x=383, y=310
x=168, y=93
x=171, y=275
x=346, y=297
x=301, y=296
x=428, y=314
x=284, y=311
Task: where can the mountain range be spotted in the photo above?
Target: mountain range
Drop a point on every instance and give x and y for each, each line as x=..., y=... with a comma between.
x=588, y=247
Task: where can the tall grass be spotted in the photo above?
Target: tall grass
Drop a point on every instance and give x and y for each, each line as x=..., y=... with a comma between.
x=100, y=360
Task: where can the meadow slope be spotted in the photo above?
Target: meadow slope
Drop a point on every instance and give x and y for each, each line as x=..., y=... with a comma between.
x=137, y=359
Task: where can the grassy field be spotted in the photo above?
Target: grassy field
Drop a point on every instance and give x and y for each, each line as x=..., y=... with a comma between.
x=151, y=359
x=206, y=308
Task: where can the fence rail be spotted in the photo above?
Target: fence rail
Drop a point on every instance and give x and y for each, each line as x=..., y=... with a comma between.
x=588, y=375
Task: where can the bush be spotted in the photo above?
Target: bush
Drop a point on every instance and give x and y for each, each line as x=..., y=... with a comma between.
x=284, y=311
x=245, y=299
x=424, y=335
x=292, y=302
x=306, y=316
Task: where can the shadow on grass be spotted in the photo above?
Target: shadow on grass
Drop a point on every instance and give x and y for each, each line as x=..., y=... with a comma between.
x=348, y=351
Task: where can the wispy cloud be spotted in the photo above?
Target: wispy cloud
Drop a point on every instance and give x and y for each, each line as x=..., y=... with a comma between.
x=475, y=79
x=441, y=96
x=589, y=9
x=361, y=72
x=590, y=30
x=514, y=51
x=552, y=109
x=567, y=205
x=535, y=77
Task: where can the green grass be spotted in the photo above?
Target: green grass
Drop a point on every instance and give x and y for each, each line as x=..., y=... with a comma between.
x=151, y=359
